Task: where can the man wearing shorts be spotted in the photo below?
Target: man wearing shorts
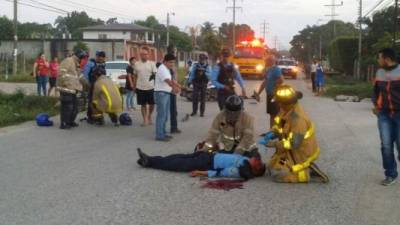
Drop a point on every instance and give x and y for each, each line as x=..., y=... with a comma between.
x=273, y=78
x=144, y=71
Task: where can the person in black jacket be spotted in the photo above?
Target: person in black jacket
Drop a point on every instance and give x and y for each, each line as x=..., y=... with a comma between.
x=199, y=77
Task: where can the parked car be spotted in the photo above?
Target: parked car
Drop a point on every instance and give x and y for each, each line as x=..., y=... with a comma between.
x=289, y=68
x=116, y=71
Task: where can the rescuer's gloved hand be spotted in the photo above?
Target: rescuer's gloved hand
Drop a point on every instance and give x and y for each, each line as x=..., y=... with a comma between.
x=266, y=138
x=275, y=144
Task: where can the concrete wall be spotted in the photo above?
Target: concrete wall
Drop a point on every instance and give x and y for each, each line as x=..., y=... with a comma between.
x=30, y=49
x=115, y=50
x=110, y=34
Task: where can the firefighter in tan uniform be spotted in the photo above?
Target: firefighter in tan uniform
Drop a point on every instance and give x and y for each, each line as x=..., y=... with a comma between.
x=293, y=136
x=69, y=85
x=106, y=98
x=232, y=130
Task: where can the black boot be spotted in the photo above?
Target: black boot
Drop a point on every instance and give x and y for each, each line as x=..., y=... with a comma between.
x=144, y=159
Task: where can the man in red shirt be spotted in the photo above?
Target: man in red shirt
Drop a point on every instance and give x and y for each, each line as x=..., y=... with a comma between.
x=41, y=73
x=53, y=74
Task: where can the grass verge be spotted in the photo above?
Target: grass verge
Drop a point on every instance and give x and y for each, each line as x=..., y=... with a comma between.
x=338, y=85
x=181, y=75
x=17, y=108
x=19, y=78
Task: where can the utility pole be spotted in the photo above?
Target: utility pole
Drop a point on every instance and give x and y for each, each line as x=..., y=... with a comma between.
x=359, y=41
x=395, y=19
x=234, y=8
x=15, y=52
x=276, y=42
x=168, y=22
x=333, y=14
x=264, y=29
x=320, y=40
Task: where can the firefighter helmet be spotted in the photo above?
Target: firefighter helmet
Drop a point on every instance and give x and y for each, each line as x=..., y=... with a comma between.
x=234, y=103
x=286, y=94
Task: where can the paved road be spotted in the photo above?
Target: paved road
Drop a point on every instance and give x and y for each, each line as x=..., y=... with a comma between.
x=89, y=176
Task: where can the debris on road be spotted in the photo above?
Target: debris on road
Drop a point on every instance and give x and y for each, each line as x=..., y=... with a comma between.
x=346, y=98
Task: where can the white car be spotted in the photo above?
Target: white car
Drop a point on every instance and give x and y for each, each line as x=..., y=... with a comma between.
x=289, y=68
x=116, y=71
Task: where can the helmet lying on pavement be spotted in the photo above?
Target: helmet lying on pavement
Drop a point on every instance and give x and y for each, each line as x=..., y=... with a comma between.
x=42, y=120
x=125, y=119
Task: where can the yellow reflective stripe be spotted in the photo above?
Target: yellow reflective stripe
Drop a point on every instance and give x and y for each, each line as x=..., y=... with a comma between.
x=277, y=120
x=287, y=144
x=302, y=176
x=97, y=115
x=277, y=129
x=306, y=164
x=103, y=87
x=231, y=138
x=310, y=132
x=208, y=145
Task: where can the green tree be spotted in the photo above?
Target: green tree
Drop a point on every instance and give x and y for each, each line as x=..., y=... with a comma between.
x=212, y=44
x=181, y=40
x=6, y=28
x=81, y=45
x=242, y=32
x=209, y=40
x=305, y=45
x=343, y=53
x=74, y=22
x=35, y=31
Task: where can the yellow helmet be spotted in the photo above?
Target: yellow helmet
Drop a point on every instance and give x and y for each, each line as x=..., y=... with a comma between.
x=286, y=94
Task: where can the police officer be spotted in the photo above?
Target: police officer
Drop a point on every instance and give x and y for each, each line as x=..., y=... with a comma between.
x=99, y=61
x=232, y=130
x=223, y=78
x=199, y=77
x=68, y=85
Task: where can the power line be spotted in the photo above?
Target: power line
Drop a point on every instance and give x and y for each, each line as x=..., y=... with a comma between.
x=333, y=14
x=104, y=11
x=49, y=6
x=373, y=9
x=37, y=7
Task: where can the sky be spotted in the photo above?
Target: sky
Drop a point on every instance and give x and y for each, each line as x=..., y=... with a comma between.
x=285, y=17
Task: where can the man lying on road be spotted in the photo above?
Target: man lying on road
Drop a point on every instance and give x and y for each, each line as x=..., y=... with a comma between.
x=206, y=164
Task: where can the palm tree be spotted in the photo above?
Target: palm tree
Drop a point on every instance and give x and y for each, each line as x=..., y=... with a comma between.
x=194, y=32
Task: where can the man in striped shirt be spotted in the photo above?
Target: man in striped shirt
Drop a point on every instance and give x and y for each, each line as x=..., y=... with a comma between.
x=386, y=99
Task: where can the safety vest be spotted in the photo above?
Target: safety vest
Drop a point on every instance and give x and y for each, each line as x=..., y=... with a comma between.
x=226, y=74
x=200, y=74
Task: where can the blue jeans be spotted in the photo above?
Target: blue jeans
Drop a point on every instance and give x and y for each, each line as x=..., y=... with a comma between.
x=130, y=99
x=41, y=84
x=389, y=127
x=162, y=100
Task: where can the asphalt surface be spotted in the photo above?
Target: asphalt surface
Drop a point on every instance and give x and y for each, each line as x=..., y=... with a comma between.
x=89, y=176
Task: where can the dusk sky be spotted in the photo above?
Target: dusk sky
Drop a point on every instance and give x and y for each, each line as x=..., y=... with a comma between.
x=285, y=17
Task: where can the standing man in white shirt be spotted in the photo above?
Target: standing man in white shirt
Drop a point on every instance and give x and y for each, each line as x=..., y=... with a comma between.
x=163, y=88
x=144, y=71
x=313, y=75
